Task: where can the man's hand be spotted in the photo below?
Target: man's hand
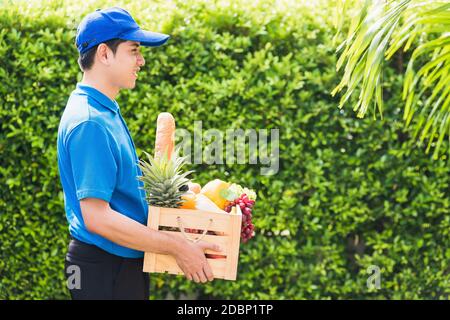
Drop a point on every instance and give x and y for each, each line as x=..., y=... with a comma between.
x=193, y=263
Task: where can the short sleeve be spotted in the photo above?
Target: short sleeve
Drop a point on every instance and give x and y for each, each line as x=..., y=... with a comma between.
x=92, y=160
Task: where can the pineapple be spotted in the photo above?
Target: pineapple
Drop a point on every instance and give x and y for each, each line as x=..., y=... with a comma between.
x=163, y=180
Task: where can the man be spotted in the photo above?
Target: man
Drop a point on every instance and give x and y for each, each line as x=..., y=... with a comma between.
x=98, y=166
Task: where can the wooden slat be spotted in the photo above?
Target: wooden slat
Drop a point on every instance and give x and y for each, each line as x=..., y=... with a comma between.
x=166, y=263
x=233, y=246
x=227, y=223
x=154, y=214
x=222, y=241
x=195, y=219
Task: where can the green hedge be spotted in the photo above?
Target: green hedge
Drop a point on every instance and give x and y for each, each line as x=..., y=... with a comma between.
x=349, y=193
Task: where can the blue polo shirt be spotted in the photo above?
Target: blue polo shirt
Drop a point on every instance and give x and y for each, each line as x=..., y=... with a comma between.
x=97, y=159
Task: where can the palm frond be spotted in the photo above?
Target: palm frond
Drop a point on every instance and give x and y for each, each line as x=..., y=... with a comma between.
x=381, y=30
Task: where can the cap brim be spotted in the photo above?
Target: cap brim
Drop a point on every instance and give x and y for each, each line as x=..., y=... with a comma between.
x=147, y=38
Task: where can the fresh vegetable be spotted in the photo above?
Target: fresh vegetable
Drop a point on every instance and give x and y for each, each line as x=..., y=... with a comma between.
x=204, y=203
x=189, y=200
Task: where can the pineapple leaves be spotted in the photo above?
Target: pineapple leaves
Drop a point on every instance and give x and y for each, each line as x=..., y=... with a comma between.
x=163, y=179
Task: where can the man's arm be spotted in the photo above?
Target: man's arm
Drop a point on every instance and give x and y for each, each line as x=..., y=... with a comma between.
x=101, y=219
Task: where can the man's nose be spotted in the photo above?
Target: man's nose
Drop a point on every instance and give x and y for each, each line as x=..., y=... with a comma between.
x=141, y=61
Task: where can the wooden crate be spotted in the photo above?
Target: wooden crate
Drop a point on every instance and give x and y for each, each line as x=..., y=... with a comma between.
x=227, y=224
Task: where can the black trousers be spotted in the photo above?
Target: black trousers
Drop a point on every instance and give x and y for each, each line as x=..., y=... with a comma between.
x=93, y=273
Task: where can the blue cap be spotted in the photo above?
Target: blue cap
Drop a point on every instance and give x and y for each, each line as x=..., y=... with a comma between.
x=103, y=25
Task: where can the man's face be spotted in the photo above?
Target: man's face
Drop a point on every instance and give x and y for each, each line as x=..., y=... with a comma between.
x=126, y=64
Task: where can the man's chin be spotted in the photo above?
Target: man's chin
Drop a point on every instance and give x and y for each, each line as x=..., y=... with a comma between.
x=130, y=85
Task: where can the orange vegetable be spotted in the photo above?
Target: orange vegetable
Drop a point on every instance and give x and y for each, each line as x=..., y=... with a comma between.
x=190, y=200
x=165, y=135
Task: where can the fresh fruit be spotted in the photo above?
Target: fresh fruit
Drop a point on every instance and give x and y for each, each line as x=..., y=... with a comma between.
x=163, y=180
x=251, y=195
x=236, y=189
x=246, y=205
x=204, y=203
x=212, y=190
x=165, y=135
x=189, y=199
x=194, y=187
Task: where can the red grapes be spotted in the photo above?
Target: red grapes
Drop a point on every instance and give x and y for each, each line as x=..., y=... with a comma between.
x=246, y=205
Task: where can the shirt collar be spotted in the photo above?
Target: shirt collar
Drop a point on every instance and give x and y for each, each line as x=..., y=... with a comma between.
x=97, y=95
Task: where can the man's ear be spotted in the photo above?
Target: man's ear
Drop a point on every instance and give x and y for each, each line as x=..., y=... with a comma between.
x=104, y=54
